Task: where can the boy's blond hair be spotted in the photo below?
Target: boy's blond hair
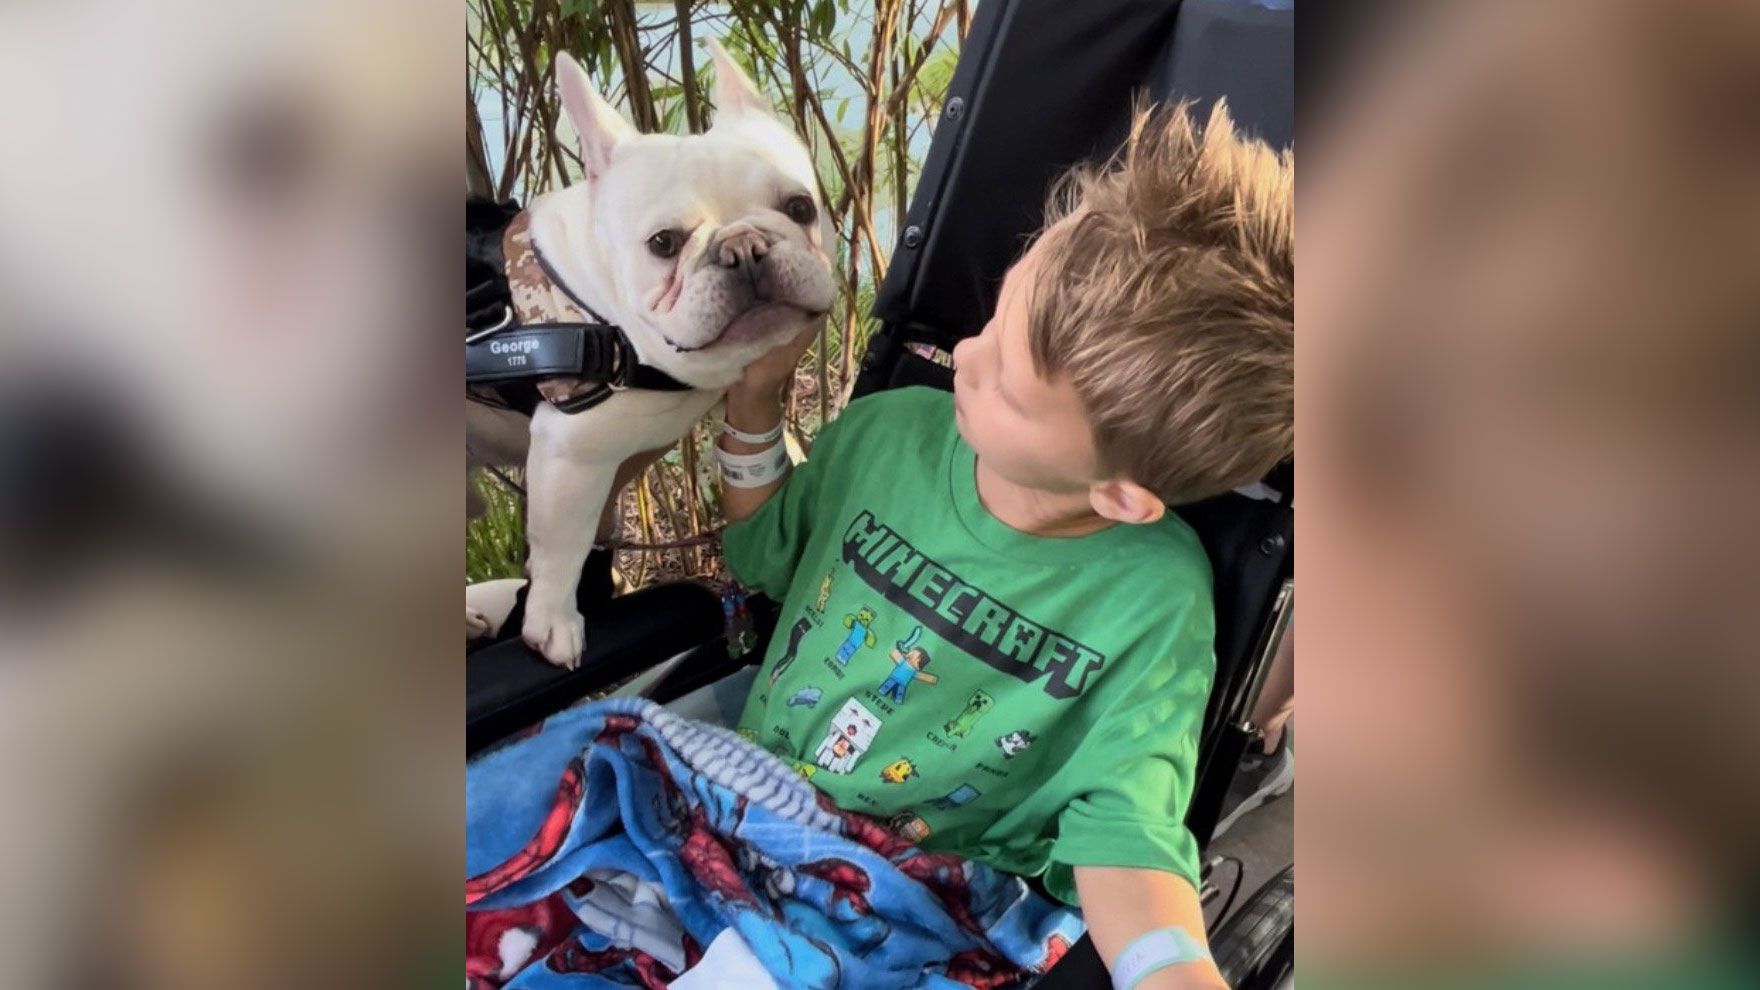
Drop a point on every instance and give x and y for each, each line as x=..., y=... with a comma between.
x=1168, y=299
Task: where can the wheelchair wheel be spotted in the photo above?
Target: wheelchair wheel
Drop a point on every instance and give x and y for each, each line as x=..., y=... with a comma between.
x=1255, y=947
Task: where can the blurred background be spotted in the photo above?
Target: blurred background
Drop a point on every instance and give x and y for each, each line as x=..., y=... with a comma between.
x=229, y=720
x=1530, y=337
x=861, y=82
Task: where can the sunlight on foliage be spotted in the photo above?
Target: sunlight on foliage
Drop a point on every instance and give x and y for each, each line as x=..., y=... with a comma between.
x=495, y=542
x=861, y=83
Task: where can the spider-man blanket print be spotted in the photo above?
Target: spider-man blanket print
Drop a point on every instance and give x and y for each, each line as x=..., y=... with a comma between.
x=621, y=842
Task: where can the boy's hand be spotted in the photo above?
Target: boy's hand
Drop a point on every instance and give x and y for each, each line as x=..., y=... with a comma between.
x=754, y=404
x=760, y=388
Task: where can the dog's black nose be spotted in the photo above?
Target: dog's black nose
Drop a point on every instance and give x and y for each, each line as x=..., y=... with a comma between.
x=740, y=247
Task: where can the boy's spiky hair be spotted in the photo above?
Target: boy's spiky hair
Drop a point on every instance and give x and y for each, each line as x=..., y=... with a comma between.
x=1167, y=297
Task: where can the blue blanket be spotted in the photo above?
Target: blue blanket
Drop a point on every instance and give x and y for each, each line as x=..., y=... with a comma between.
x=621, y=840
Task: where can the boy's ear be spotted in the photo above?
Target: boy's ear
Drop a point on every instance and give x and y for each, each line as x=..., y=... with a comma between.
x=1126, y=502
x=600, y=126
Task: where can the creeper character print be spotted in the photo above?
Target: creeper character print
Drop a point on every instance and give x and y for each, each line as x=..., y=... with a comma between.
x=961, y=724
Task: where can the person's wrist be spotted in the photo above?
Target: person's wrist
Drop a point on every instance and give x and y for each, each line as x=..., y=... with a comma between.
x=754, y=410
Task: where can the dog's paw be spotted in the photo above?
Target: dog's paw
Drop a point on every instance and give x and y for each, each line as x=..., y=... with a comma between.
x=476, y=624
x=558, y=634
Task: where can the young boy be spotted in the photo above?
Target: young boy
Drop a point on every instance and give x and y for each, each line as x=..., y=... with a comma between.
x=1141, y=355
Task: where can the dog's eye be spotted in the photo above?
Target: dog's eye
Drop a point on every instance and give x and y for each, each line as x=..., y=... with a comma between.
x=665, y=244
x=800, y=209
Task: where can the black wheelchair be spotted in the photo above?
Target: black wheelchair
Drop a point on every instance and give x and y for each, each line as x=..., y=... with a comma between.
x=1040, y=85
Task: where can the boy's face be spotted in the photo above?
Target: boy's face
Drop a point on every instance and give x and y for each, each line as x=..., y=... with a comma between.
x=1028, y=430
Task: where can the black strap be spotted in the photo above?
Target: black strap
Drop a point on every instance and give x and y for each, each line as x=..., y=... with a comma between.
x=555, y=278
x=485, y=303
x=598, y=352
x=486, y=291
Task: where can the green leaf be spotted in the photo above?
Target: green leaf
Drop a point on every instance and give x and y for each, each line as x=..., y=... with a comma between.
x=495, y=541
x=936, y=75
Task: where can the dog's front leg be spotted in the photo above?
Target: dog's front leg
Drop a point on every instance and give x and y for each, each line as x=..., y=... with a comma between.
x=567, y=481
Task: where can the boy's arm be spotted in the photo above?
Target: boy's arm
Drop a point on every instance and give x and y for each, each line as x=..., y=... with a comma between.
x=753, y=414
x=754, y=405
x=1121, y=903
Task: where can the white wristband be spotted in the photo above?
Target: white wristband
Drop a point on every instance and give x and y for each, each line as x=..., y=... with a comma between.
x=771, y=435
x=1155, y=950
x=754, y=470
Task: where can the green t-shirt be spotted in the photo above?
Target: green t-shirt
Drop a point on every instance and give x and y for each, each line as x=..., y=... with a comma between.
x=1030, y=702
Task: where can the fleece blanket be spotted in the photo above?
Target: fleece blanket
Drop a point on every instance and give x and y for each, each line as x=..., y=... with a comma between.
x=623, y=845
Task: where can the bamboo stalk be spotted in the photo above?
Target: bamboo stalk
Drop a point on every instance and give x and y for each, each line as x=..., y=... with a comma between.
x=902, y=86
x=511, y=45
x=692, y=490
x=477, y=181
x=819, y=372
x=687, y=69
x=527, y=42
x=900, y=160
x=853, y=294
x=645, y=518
x=635, y=69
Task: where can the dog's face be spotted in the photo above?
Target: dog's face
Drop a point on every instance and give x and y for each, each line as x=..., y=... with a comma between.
x=714, y=245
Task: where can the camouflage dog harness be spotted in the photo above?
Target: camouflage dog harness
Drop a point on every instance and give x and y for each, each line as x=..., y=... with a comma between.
x=550, y=337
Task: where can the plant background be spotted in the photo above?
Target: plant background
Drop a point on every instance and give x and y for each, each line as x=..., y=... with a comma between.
x=862, y=85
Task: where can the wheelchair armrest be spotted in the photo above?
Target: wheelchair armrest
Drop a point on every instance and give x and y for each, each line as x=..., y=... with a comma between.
x=508, y=687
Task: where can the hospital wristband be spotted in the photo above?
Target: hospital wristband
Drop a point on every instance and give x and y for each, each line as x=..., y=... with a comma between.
x=771, y=435
x=754, y=470
x=1152, y=951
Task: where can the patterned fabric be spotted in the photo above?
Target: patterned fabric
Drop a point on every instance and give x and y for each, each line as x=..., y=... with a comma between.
x=537, y=300
x=661, y=835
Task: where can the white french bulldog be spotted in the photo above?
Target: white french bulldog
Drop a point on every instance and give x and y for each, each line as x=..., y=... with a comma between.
x=709, y=251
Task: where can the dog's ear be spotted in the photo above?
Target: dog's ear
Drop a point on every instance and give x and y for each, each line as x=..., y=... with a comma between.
x=734, y=93
x=597, y=122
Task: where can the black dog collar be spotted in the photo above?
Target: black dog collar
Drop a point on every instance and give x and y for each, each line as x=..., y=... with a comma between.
x=598, y=352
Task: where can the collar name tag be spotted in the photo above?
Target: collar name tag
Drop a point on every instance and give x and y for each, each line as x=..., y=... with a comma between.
x=526, y=352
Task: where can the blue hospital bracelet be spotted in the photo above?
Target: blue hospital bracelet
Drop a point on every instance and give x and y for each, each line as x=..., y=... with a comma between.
x=1155, y=950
